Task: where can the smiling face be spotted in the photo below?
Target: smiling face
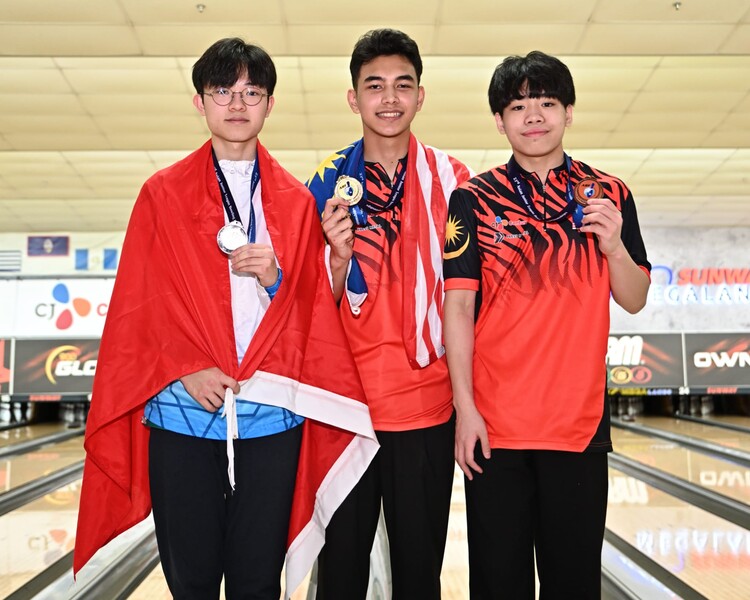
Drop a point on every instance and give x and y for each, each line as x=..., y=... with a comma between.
x=387, y=97
x=535, y=129
x=235, y=127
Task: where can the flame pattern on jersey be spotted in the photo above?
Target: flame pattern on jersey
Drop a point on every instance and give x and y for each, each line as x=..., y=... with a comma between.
x=376, y=246
x=542, y=307
x=522, y=254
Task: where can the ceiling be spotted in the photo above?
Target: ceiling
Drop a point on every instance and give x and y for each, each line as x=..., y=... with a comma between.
x=95, y=95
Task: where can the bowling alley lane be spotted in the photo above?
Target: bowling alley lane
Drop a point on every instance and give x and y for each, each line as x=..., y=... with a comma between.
x=18, y=469
x=37, y=534
x=25, y=433
x=738, y=420
x=455, y=574
x=702, y=431
x=708, y=553
x=719, y=475
x=454, y=577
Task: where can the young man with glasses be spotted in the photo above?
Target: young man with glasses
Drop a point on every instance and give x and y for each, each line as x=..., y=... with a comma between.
x=385, y=222
x=534, y=249
x=209, y=400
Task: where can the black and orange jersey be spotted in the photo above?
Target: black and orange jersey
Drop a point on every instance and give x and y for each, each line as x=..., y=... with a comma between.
x=400, y=396
x=543, y=295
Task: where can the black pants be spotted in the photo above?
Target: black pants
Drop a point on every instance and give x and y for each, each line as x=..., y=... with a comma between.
x=204, y=530
x=550, y=503
x=413, y=475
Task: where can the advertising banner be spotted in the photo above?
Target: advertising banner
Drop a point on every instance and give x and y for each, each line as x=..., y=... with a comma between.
x=64, y=308
x=718, y=362
x=646, y=360
x=700, y=281
x=47, y=369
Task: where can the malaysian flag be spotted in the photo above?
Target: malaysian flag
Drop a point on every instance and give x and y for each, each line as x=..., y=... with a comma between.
x=431, y=177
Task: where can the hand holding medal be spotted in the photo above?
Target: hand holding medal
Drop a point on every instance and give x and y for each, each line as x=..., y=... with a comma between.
x=585, y=190
x=350, y=190
x=257, y=260
x=233, y=235
x=337, y=220
x=599, y=215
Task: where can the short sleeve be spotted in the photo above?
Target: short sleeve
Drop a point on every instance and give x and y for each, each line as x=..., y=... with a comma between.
x=461, y=261
x=631, y=233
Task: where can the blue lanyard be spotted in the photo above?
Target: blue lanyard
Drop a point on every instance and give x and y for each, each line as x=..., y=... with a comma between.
x=523, y=194
x=228, y=201
x=360, y=210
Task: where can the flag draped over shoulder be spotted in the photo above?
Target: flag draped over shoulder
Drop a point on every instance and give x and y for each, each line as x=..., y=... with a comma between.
x=170, y=315
x=431, y=177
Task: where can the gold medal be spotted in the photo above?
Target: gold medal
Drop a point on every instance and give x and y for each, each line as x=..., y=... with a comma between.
x=586, y=189
x=348, y=189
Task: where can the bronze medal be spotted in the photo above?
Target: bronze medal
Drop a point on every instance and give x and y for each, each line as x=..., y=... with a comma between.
x=586, y=189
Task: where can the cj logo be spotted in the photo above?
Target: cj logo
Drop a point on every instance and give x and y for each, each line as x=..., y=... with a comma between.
x=61, y=295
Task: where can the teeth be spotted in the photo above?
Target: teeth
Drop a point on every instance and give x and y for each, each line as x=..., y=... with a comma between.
x=389, y=114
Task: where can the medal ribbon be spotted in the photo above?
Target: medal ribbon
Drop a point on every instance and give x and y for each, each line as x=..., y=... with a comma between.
x=228, y=201
x=522, y=193
x=355, y=167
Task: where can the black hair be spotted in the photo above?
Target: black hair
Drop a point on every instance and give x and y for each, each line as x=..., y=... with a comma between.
x=537, y=75
x=227, y=60
x=384, y=42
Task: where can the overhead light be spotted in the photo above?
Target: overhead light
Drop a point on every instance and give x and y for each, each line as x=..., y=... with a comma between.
x=677, y=5
x=201, y=7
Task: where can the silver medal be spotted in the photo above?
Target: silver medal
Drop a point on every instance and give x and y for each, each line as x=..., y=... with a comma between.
x=231, y=237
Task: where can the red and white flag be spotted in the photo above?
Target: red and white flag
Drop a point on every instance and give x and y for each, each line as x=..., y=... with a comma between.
x=431, y=177
x=170, y=315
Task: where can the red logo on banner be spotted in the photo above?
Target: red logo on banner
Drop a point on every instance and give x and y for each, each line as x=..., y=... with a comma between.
x=81, y=306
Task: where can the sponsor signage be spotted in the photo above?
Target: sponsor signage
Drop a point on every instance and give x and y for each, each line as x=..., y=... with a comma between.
x=638, y=361
x=47, y=369
x=47, y=308
x=711, y=286
x=718, y=362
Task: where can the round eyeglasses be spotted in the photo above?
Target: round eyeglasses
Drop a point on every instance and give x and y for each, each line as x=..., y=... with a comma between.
x=224, y=96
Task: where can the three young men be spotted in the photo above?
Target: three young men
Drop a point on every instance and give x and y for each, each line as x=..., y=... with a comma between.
x=533, y=250
x=385, y=230
x=223, y=343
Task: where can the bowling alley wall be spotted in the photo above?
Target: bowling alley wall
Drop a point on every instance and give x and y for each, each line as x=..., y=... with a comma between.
x=700, y=281
x=693, y=336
